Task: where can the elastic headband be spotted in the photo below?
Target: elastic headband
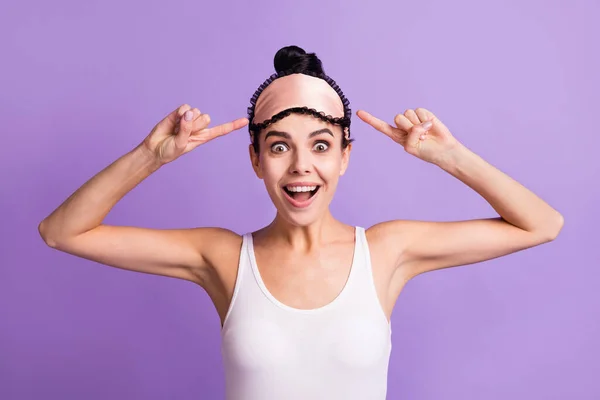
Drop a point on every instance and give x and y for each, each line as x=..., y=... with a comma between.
x=299, y=92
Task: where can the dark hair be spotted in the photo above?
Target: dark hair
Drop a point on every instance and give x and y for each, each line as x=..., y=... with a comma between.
x=293, y=60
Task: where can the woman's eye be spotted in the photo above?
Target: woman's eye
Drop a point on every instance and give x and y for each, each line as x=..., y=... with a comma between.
x=321, y=146
x=278, y=148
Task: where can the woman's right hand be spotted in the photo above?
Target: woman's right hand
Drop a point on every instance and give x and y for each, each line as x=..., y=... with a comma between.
x=176, y=135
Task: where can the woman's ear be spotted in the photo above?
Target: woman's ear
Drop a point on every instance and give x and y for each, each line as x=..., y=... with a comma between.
x=255, y=160
x=345, y=159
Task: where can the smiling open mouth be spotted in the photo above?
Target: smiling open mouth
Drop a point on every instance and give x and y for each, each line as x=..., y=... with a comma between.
x=300, y=196
x=301, y=193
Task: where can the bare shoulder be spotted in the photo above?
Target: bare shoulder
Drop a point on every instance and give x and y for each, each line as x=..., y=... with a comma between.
x=389, y=242
x=386, y=240
x=220, y=249
x=220, y=266
x=385, y=257
x=398, y=235
x=386, y=253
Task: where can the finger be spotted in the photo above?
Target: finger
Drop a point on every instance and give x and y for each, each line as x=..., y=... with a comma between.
x=200, y=124
x=196, y=112
x=172, y=119
x=196, y=116
x=424, y=114
x=183, y=109
x=414, y=138
x=200, y=121
x=178, y=113
x=376, y=123
x=185, y=129
x=223, y=129
x=419, y=132
x=412, y=116
x=403, y=123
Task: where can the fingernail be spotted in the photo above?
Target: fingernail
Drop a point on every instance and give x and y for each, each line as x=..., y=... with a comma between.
x=188, y=115
x=427, y=125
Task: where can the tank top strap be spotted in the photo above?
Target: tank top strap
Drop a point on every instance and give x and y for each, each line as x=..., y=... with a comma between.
x=364, y=280
x=243, y=271
x=362, y=257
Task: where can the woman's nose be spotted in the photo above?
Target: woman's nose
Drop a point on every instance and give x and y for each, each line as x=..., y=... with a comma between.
x=301, y=163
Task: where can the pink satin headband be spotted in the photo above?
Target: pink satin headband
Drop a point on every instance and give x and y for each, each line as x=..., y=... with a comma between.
x=297, y=90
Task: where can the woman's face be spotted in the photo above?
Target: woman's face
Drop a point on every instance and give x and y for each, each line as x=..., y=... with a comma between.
x=300, y=161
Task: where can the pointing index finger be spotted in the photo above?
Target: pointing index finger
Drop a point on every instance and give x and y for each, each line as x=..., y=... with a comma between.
x=376, y=123
x=226, y=128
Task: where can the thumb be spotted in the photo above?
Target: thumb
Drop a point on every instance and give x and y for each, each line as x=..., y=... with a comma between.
x=424, y=127
x=185, y=129
x=418, y=130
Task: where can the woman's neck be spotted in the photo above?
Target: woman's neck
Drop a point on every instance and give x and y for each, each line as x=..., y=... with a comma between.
x=306, y=238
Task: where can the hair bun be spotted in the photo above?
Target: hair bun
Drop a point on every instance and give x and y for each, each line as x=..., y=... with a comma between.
x=296, y=59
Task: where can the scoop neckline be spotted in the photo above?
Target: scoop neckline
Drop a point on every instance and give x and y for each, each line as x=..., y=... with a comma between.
x=284, y=306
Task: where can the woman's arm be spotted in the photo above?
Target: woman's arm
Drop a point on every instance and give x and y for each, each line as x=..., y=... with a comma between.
x=76, y=225
x=525, y=219
x=85, y=209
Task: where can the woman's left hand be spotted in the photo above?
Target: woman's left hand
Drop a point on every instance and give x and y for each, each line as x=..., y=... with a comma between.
x=418, y=131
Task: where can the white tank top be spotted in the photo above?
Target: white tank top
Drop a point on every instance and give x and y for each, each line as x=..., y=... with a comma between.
x=338, y=351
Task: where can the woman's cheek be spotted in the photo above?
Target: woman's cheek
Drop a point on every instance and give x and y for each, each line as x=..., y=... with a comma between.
x=274, y=169
x=330, y=165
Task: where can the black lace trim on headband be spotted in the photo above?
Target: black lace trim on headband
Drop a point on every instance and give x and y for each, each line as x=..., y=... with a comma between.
x=343, y=121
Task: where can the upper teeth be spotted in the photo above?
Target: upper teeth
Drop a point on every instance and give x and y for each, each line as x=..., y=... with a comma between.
x=301, y=188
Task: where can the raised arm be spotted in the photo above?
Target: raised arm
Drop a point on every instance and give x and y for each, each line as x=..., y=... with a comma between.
x=76, y=226
x=524, y=219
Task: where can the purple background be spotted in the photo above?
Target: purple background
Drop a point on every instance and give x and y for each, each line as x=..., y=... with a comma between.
x=84, y=82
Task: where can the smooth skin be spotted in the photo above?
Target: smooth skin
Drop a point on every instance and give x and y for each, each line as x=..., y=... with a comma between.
x=300, y=248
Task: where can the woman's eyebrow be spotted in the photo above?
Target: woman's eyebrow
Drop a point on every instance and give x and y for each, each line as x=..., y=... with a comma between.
x=286, y=135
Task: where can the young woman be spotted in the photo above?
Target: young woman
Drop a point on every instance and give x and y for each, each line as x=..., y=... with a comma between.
x=304, y=302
